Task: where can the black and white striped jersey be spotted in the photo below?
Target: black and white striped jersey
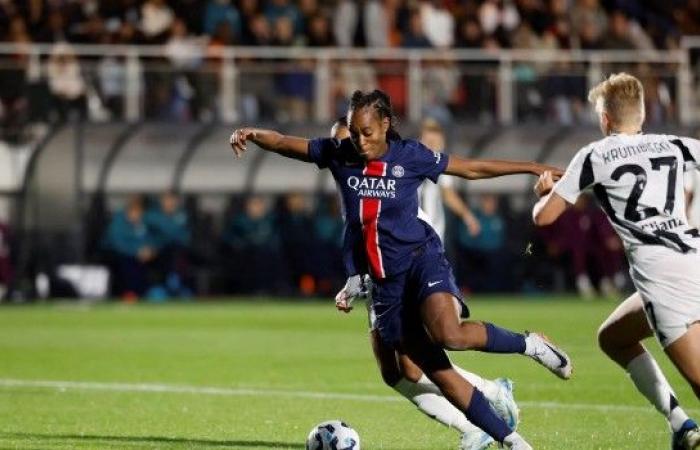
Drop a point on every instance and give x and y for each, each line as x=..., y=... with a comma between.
x=638, y=181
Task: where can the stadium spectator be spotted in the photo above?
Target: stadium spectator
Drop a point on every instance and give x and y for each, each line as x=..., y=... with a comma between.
x=299, y=245
x=6, y=269
x=535, y=14
x=294, y=86
x=588, y=21
x=470, y=34
x=498, y=19
x=348, y=27
x=169, y=225
x=111, y=82
x=483, y=254
x=221, y=11
x=156, y=20
x=185, y=53
x=248, y=9
x=376, y=24
x=624, y=35
x=415, y=35
x=14, y=107
x=277, y=9
x=56, y=29
x=560, y=23
x=438, y=23
x=328, y=231
x=66, y=82
x=193, y=13
x=252, y=249
x=261, y=31
x=132, y=247
x=318, y=32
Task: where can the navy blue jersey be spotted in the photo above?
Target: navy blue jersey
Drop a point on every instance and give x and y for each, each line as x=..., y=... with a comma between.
x=380, y=201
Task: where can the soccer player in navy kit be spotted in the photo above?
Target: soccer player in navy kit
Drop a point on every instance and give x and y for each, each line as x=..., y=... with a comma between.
x=418, y=305
x=396, y=368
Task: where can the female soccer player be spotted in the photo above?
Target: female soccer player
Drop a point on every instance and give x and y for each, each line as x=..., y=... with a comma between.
x=637, y=181
x=397, y=369
x=415, y=297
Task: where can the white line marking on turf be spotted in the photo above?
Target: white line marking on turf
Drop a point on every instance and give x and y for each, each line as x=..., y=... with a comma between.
x=238, y=392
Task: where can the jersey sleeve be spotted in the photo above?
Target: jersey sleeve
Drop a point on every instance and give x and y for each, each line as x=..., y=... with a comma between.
x=427, y=163
x=321, y=151
x=578, y=176
x=691, y=151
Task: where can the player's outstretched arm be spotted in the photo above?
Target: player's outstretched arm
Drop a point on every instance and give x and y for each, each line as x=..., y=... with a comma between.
x=270, y=140
x=474, y=169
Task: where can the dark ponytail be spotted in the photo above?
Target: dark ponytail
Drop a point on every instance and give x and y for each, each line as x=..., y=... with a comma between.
x=382, y=105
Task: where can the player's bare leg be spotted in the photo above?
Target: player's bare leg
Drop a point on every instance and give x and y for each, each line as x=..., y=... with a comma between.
x=440, y=315
x=685, y=354
x=620, y=338
x=621, y=335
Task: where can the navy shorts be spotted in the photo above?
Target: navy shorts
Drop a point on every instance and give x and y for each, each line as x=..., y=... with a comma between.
x=396, y=299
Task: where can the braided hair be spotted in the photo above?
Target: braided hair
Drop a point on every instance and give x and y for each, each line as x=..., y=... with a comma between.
x=341, y=121
x=382, y=105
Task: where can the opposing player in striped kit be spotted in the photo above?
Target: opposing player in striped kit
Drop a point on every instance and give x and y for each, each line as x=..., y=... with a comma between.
x=638, y=180
x=419, y=308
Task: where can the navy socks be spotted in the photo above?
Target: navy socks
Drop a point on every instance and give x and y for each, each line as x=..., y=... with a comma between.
x=483, y=416
x=500, y=340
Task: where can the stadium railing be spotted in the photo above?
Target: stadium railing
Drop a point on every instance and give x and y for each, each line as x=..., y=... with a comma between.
x=416, y=77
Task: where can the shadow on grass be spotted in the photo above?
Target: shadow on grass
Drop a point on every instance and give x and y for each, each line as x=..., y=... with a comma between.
x=154, y=439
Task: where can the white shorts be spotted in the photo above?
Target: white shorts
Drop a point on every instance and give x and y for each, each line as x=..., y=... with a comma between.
x=669, y=284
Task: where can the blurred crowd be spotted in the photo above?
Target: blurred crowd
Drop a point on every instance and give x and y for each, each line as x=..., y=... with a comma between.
x=587, y=24
x=185, y=83
x=289, y=245
x=164, y=247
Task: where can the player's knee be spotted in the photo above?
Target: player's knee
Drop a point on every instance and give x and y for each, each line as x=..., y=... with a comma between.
x=450, y=338
x=606, y=341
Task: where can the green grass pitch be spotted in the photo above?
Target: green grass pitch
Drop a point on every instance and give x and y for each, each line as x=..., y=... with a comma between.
x=254, y=374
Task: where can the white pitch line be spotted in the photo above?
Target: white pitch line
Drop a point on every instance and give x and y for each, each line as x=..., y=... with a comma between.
x=239, y=392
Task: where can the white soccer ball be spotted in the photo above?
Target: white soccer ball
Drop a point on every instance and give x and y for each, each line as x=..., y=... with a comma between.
x=333, y=435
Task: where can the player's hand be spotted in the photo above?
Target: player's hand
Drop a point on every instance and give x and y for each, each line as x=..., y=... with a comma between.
x=544, y=184
x=556, y=172
x=356, y=286
x=239, y=140
x=472, y=224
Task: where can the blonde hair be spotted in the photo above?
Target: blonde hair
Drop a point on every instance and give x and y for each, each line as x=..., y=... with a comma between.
x=621, y=96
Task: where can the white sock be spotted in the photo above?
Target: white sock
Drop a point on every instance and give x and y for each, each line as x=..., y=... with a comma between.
x=651, y=382
x=428, y=398
x=489, y=388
